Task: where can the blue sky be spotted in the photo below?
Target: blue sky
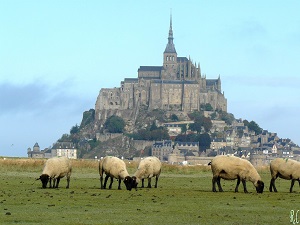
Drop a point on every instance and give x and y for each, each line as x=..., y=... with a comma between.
x=55, y=56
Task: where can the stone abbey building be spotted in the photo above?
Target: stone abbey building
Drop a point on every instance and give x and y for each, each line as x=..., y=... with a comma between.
x=177, y=85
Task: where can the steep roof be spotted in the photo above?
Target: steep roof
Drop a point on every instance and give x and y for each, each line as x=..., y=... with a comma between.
x=150, y=68
x=170, y=48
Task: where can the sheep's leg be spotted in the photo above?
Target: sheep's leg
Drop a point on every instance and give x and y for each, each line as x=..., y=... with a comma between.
x=149, y=183
x=101, y=181
x=68, y=182
x=142, y=183
x=111, y=181
x=237, y=185
x=156, y=180
x=57, y=182
x=105, y=181
x=50, y=179
x=119, y=186
x=54, y=181
x=292, y=184
x=244, y=184
x=214, y=184
x=272, y=184
x=219, y=184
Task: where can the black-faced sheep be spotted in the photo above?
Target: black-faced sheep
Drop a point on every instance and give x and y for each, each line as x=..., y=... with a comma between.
x=286, y=169
x=148, y=167
x=114, y=167
x=55, y=169
x=231, y=168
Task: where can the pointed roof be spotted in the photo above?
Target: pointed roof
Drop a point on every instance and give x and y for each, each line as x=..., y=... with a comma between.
x=170, y=48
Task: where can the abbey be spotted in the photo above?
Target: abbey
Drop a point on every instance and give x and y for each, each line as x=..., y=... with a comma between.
x=177, y=85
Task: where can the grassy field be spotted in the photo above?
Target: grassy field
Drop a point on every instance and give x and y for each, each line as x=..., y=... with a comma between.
x=183, y=196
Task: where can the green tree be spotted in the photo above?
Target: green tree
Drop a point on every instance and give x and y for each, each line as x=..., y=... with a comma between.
x=114, y=124
x=207, y=124
x=174, y=117
x=254, y=127
x=74, y=129
x=204, y=141
x=196, y=126
x=153, y=126
x=183, y=128
x=246, y=123
x=227, y=117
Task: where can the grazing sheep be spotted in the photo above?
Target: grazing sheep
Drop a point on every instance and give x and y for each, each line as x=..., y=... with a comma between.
x=148, y=167
x=114, y=167
x=284, y=168
x=231, y=168
x=54, y=169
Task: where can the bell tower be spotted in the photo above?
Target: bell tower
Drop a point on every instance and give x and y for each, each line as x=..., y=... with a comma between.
x=170, y=57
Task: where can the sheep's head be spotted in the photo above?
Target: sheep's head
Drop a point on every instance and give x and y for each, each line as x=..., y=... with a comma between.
x=260, y=186
x=44, y=178
x=128, y=181
x=134, y=182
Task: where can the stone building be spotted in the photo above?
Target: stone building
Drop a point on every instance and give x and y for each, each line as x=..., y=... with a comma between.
x=35, y=152
x=176, y=85
x=67, y=149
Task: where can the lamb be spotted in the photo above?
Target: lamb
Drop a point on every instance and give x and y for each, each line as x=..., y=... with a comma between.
x=114, y=167
x=288, y=169
x=231, y=168
x=148, y=167
x=55, y=169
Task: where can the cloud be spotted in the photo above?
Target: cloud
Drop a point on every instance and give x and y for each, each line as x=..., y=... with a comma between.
x=38, y=97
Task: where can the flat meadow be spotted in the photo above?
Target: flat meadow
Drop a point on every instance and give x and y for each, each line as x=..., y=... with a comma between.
x=183, y=196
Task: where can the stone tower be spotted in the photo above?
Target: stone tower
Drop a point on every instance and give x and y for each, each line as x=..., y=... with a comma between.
x=177, y=85
x=170, y=58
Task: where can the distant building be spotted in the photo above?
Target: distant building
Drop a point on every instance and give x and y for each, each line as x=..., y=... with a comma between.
x=161, y=149
x=64, y=149
x=35, y=152
x=176, y=85
x=59, y=149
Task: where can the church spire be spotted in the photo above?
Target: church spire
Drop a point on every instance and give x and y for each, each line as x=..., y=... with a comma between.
x=170, y=46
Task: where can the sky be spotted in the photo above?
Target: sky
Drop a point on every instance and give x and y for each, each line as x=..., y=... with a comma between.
x=55, y=56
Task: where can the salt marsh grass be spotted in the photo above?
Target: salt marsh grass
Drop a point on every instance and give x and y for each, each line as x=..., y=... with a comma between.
x=183, y=196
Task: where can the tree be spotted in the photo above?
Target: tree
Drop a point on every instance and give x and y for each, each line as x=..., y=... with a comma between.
x=204, y=141
x=174, y=117
x=207, y=124
x=254, y=127
x=227, y=117
x=74, y=129
x=196, y=126
x=114, y=124
x=206, y=107
x=183, y=128
x=246, y=123
x=153, y=126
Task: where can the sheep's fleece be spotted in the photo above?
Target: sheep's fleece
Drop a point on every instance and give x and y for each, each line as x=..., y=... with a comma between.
x=288, y=169
x=231, y=168
x=148, y=167
x=55, y=169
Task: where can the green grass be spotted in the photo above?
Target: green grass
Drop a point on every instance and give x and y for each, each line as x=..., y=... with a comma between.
x=182, y=197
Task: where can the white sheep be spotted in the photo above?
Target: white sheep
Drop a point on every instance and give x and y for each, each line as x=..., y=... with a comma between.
x=148, y=167
x=55, y=169
x=231, y=168
x=288, y=169
x=114, y=167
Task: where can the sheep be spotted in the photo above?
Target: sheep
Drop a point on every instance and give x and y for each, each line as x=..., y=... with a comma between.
x=231, y=168
x=114, y=167
x=288, y=169
x=148, y=167
x=55, y=169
